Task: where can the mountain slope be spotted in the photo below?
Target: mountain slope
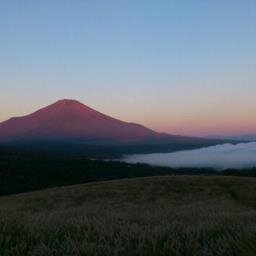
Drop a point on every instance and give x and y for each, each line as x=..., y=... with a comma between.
x=75, y=124
x=70, y=119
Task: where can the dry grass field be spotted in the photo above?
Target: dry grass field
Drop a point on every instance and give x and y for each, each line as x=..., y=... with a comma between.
x=171, y=215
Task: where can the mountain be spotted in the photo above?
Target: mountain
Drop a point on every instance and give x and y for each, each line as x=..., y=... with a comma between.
x=70, y=119
x=73, y=122
x=237, y=137
x=243, y=137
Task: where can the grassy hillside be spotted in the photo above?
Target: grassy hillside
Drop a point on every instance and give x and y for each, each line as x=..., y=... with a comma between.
x=171, y=215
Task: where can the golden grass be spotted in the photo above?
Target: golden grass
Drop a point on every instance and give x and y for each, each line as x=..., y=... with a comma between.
x=170, y=215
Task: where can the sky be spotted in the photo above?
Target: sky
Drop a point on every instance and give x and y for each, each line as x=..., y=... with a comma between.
x=182, y=67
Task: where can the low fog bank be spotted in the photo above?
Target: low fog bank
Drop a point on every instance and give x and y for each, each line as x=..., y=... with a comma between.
x=242, y=155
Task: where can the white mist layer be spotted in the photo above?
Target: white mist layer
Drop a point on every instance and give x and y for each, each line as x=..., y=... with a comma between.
x=223, y=156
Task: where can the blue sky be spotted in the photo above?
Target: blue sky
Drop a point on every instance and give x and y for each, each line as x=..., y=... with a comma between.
x=176, y=66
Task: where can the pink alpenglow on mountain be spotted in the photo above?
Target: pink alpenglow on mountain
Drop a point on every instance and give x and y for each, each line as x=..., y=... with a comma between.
x=70, y=119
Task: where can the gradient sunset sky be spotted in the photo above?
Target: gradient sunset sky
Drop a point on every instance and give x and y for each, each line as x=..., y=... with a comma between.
x=182, y=67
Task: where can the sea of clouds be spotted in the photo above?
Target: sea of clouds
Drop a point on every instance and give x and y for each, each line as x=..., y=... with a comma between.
x=242, y=155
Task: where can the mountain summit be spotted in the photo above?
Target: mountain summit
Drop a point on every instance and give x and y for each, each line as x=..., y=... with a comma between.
x=70, y=119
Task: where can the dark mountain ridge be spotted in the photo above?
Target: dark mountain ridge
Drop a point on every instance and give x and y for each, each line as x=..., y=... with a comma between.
x=69, y=124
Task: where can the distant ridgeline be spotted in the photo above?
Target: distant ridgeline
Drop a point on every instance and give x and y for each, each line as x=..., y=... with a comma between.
x=70, y=126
